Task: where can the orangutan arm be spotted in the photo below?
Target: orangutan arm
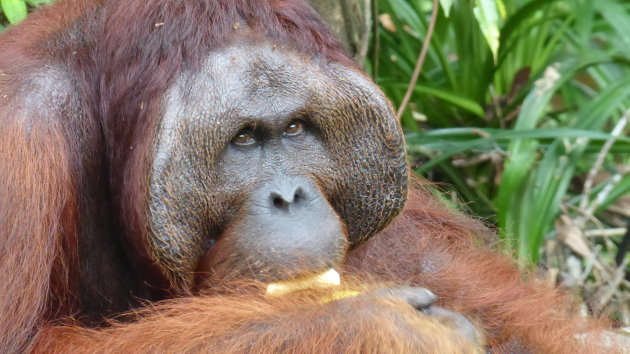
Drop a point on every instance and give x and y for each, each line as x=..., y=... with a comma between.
x=432, y=246
x=379, y=322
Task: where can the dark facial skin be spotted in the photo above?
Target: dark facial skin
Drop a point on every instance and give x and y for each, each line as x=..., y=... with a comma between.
x=285, y=228
x=270, y=164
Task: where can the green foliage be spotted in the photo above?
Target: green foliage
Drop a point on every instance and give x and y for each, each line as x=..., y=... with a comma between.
x=539, y=84
x=14, y=11
x=39, y=2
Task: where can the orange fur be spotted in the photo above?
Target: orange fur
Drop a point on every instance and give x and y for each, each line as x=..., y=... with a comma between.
x=38, y=244
x=442, y=250
x=41, y=165
x=428, y=245
x=250, y=322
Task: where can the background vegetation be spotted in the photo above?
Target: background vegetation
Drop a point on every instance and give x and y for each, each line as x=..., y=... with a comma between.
x=14, y=11
x=522, y=111
x=521, y=114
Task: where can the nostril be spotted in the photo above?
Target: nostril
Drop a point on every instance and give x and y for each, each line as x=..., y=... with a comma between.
x=298, y=196
x=278, y=201
x=285, y=197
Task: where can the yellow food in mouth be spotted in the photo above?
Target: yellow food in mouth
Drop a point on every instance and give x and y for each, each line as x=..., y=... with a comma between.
x=328, y=279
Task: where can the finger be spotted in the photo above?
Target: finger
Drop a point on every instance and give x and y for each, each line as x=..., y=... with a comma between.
x=419, y=298
x=455, y=320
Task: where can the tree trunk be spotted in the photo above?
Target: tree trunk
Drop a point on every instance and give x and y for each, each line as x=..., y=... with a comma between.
x=350, y=20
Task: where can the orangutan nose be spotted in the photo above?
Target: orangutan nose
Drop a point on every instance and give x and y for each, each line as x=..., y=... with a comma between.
x=289, y=194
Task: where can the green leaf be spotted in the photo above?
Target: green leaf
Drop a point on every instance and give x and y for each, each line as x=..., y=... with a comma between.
x=619, y=190
x=14, y=10
x=450, y=97
x=487, y=16
x=39, y=2
x=446, y=6
x=617, y=17
x=452, y=141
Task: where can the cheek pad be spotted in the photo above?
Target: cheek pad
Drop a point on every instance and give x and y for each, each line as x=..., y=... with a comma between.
x=367, y=182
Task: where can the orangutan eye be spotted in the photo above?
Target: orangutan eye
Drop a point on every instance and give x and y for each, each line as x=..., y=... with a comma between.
x=244, y=137
x=294, y=128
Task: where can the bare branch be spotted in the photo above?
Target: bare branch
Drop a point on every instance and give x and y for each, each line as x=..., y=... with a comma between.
x=419, y=62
